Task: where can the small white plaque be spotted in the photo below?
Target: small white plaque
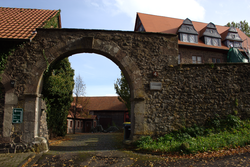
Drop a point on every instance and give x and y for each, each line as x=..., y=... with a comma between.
x=155, y=85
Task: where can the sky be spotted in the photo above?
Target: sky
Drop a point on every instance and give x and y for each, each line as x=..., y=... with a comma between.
x=99, y=73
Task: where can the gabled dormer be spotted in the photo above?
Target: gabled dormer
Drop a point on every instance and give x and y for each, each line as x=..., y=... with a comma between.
x=233, y=39
x=210, y=35
x=187, y=32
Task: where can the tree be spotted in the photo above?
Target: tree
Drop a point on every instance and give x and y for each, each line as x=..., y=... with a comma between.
x=123, y=90
x=57, y=91
x=242, y=25
x=79, y=90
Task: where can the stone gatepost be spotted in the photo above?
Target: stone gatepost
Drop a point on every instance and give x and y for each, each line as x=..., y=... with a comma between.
x=31, y=116
x=137, y=118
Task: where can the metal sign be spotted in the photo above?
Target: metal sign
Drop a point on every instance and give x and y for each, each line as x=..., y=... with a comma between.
x=155, y=85
x=17, y=116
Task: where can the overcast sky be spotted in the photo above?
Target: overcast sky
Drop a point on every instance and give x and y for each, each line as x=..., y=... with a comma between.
x=98, y=72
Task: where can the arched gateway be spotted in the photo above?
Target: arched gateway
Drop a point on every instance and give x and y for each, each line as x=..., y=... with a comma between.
x=138, y=55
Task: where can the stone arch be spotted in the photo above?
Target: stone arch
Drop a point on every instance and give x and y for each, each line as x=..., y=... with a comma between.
x=120, y=57
x=137, y=55
x=29, y=97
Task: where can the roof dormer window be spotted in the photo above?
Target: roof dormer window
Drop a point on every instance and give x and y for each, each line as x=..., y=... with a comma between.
x=233, y=39
x=210, y=35
x=187, y=32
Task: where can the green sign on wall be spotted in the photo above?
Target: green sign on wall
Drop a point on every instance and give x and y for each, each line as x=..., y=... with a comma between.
x=17, y=116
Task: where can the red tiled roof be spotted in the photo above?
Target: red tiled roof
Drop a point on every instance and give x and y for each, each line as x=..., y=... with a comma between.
x=153, y=23
x=19, y=23
x=81, y=115
x=105, y=103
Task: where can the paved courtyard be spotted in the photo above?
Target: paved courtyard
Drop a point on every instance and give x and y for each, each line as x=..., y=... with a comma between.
x=90, y=142
x=106, y=149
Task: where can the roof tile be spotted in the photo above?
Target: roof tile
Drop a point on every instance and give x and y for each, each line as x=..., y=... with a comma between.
x=106, y=103
x=16, y=21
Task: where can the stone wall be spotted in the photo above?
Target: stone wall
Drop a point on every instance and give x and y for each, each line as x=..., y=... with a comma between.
x=193, y=93
x=190, y=93
x=2, y=101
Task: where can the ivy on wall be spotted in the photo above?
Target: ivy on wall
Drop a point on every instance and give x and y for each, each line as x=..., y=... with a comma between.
x=53, y=22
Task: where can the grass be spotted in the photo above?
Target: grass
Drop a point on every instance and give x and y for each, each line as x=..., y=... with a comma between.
x=217, y=134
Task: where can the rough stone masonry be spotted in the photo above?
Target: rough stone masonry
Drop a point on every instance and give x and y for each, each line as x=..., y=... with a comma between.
x=189, y=93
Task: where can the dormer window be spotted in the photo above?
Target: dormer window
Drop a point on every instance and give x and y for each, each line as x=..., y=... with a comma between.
x=187, y=32
x=233, y=39
x=211, y=36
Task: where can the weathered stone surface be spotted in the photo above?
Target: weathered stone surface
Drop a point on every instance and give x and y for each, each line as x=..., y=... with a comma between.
x=2, y=102
x=190, y=93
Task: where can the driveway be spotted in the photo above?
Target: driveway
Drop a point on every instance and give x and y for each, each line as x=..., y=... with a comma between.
x=106, y=149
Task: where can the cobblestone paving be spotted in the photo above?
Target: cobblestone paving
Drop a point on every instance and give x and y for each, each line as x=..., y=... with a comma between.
x=13, y=160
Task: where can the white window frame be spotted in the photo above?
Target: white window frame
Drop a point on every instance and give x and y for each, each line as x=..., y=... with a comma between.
x=196, y=60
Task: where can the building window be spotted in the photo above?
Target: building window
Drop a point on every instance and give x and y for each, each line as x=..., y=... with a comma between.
x=237, y=44
x=215, y=42
x=189, y=38
x=196, y=60
x=214, y=60
x=212, y=41
x=78, y=124
x=185, y=37
x=81, y=124
x=179, y=59
x=209, y=42
x=70, y=123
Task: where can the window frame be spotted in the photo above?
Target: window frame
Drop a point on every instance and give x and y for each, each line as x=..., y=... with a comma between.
x=188, y=37
x=196, y=60
x=216, y=60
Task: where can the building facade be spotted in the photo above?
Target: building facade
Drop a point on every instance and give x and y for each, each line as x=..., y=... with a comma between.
x=198, y=42
x=92, y=111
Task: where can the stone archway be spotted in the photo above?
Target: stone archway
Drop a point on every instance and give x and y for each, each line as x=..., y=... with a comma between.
x=137, y=55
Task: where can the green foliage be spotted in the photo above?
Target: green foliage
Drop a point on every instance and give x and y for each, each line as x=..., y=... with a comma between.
x=3, y=58
x=223, y=133
x=236, y=102
x=53, y=22
x=57, y=91
x=47, y=62
x=242, y=25
x=212, y=65
x=123, y=90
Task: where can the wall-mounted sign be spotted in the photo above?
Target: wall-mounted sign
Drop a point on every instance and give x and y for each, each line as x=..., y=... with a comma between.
x=17, y=116
x=155, y=74
x=155, y=85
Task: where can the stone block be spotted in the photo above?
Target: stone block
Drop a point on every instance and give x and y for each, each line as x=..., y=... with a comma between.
x=11, y=99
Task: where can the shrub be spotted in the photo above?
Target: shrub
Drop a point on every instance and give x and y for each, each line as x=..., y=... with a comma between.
x=222, y=133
